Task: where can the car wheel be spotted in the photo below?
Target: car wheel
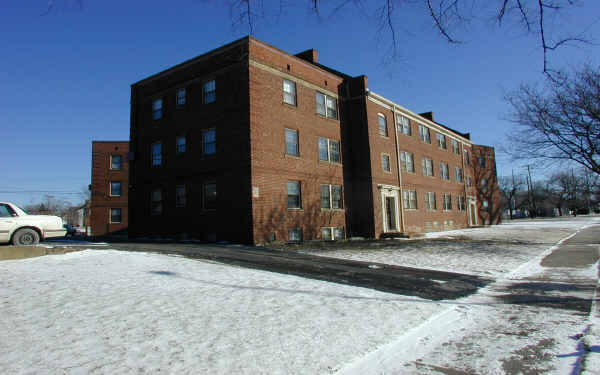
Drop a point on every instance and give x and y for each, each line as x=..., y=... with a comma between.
x=25, y=236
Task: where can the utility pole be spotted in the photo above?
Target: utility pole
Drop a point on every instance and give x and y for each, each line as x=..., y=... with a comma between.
x=530, y=194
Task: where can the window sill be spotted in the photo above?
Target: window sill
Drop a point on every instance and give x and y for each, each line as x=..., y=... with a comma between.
x=327, y=118
x=332, y=209
x=295, y=209
x=294, y=106
x=297, y=157
x=331, y=163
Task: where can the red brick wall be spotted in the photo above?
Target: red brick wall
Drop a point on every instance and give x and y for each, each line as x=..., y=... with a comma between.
x=489, y=192
x=271, y=167
x=102, y=175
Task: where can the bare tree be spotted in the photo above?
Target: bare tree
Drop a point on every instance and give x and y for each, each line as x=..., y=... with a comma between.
x=510, y=187
x=534, y=17
x=560, y=122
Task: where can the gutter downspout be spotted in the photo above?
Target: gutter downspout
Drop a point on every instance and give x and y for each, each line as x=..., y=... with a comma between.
x=399, y=167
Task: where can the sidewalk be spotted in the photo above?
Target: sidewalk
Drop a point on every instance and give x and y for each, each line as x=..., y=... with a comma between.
x=543, y=318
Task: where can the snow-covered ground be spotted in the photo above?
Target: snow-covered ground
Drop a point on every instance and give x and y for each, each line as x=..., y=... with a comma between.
x=118, y=313
x=491, y=251
x=112, y=312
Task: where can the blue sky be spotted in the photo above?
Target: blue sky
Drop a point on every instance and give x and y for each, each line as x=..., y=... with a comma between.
x=65, y=76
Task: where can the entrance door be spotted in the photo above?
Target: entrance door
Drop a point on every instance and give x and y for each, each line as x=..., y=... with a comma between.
x=472, y=214
x=390, y=213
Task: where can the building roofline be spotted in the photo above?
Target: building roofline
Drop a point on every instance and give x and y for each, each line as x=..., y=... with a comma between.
x=191, y=61
x=418, y=117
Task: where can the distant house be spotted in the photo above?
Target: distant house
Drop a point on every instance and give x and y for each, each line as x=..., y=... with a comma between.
x=108, y=208
x=248, y=143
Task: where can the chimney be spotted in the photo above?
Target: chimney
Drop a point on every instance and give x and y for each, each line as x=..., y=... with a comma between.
x=310, y=55
x=427, y=115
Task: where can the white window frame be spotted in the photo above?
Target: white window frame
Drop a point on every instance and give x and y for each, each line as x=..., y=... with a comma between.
x=427, y=167
x=292, y=232
x=332, y=233
x=297, y=141
x=289, y=97
x=209, y=94
x=329, y=112
x=382, y=121
x=178, y=145
x=329, y=197
x=455, y=146
x=424, y=134
x=180, y=97
x=120, y=163
x=204, y=142
x=461, y=203
x=409, y=198
x=287, y=187
x=407, y=160
x=110, y=215
x=329, y=142
x=385, y=157
x=403, y=125
x=447, y=202
x=157, y=109
x=430, y=203
x=444, y=171
x=156, y=159
x=458, y=175
x=441, y=141
x=110, y=188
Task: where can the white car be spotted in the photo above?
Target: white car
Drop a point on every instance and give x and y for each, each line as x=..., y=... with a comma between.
x=20, y=228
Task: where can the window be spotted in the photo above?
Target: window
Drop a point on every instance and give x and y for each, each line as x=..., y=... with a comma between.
x=180, y=98
x=289, y=92
x=485, y=205
x=469, y=181
x=482, y=161
x=467, y=158
x=209, y=92
x=382, y=123
x=444, y=171
x=424, y=134
x=331, y=197
x=430, y=201
x=483, y=184
x=180, y=196
x=115, y=215
x=210, y=196
x=329, y=150
x=156, y=154
x=156, y=202
x=408, y=161
x=385, y=162
x=294, y=199
x=209, y=142
x=455, y=148
x=410, y=199
x=447, y=202
x=157, y=109
x=332, y=233
x=460, y=200
x=116, y=162
x=427, y=166
x=115, y=188
x=403, y=125
x=6, y=211
x=441, y=140
x=180, y=145
x=326, y=105
x=295, y=235
x=458, y=174
x=291, y=142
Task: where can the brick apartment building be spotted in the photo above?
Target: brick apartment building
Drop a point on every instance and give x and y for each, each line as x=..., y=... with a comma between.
x=109, y=189
x=250, y=144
